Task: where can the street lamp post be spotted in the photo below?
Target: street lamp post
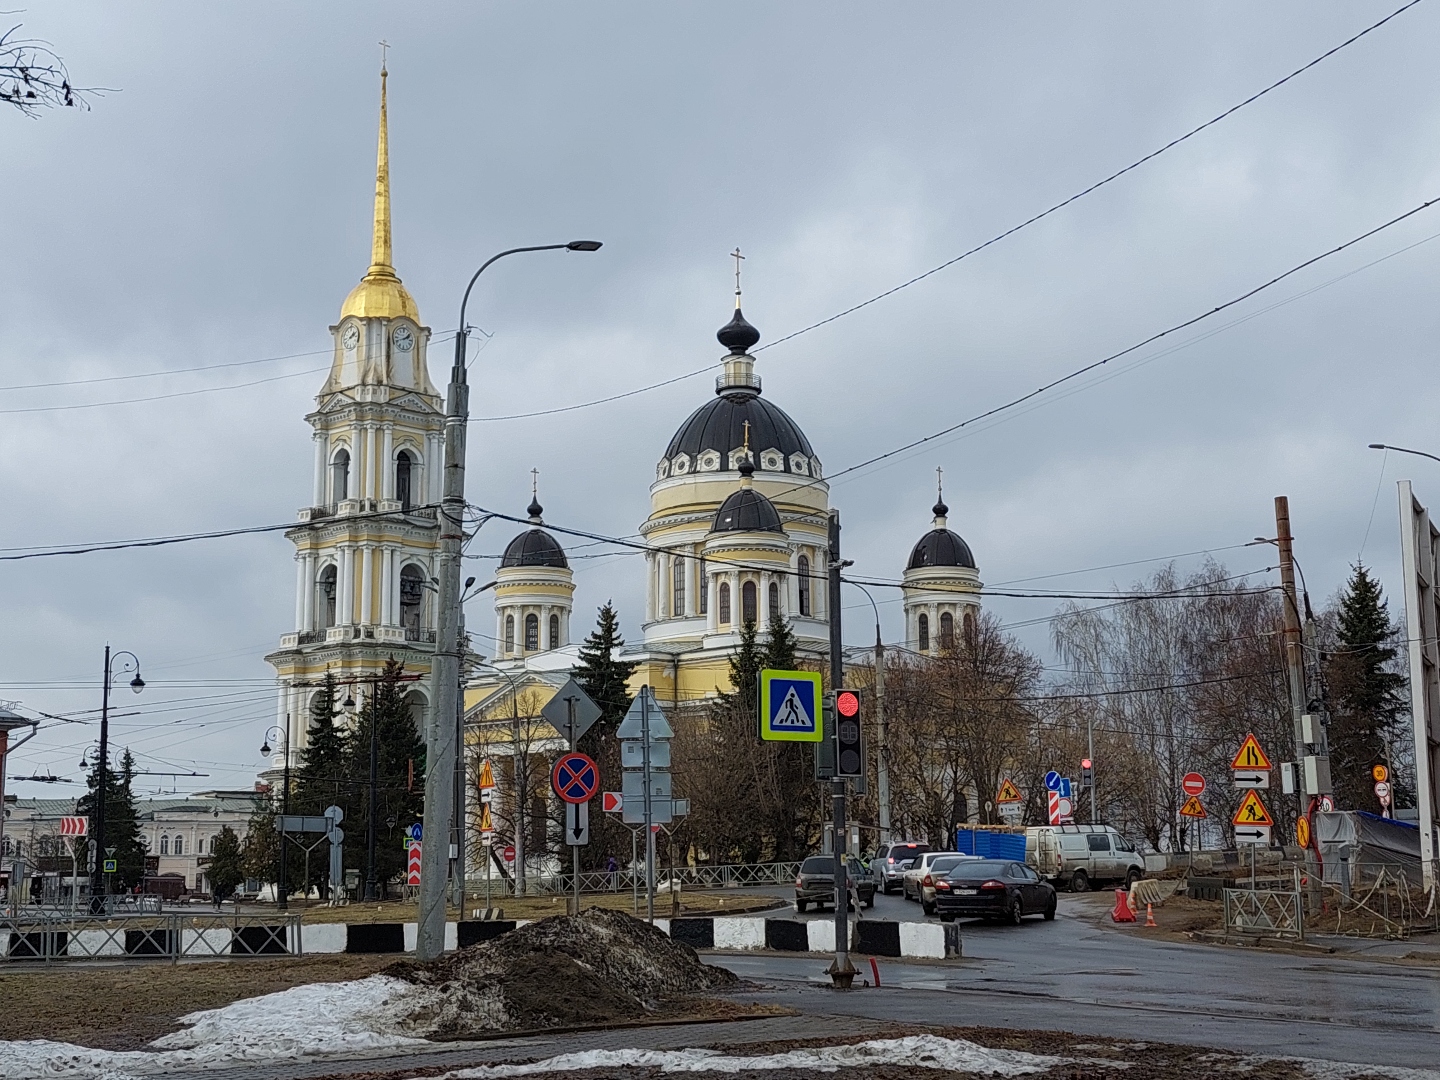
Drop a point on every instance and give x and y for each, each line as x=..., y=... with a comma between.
x=445, y=673
x=282, y=881
x=100, y=884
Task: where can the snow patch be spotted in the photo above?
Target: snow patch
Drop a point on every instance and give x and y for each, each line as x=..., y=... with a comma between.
x=316, y=1020
x=920, y=1051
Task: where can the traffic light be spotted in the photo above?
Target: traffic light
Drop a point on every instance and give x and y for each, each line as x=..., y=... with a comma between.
x=849, y=744
x=1087, y=773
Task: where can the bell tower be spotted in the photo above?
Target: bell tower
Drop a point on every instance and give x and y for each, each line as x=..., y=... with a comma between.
x=365, y=547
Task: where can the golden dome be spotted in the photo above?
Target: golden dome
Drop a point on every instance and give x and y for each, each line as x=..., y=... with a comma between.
x=380, y=294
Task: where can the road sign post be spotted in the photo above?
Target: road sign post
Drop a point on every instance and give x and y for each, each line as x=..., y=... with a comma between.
x=646, y=798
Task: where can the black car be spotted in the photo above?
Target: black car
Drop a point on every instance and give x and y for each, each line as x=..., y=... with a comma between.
x=815, y=884
x=993, y=889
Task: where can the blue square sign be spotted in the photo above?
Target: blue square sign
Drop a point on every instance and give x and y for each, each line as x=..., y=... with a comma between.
x=790, y=706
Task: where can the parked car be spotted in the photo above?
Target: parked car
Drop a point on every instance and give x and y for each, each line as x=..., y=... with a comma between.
x=815, y=884
x=919, y=881
x=1079, y=856
x=993, y=889
x=892, y=860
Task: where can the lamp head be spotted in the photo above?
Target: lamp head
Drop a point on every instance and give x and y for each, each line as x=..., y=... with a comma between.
x=469, y=581
x=137, y=683
x=265, y=747
x=1378, y=446
x=584, y=245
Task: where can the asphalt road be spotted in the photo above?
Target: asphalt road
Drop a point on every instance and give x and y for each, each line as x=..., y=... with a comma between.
x=1072, y=975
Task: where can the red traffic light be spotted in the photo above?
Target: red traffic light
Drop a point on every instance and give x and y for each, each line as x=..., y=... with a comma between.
x=1085, y=764
x=847, y=703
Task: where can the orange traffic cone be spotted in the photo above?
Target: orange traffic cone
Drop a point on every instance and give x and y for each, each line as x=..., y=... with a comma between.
x=1150, y=915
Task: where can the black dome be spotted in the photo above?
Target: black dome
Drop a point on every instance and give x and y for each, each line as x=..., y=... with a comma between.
x=535, y=548
x=941, y=547
x=737, y=335
x=720, y=425
x=747, y=510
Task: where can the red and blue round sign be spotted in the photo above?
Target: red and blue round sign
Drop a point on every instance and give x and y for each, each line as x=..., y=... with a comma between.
x=575, y=778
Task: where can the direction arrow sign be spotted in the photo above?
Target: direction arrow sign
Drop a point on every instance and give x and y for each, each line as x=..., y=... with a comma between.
x=575, y=778
x=1252, y=778
x=1250, y=756
x=790, y=706
x=1193, y=808
x=74, y=826
x=1193, y=784
x=577, y=824
x=558, y=711
x=644, y=708
x=611, y=802
x=1052, y=780
x=1009, y=793
x=1251, y=811
x=1252, y=834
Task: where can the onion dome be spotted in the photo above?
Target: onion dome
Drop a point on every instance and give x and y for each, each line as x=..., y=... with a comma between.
x=940, y=546
x=746, y=510
x=719, y=425
x=535, y=547
x=737, y=335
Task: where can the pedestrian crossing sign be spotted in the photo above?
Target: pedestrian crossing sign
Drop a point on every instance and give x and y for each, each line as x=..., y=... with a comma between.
x=790, y=706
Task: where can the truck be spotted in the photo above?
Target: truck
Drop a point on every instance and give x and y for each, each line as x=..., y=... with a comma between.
x=1080, y=856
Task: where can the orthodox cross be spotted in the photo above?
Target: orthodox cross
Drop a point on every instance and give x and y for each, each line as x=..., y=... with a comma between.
x=746, y=426
x=737, y=257
x=939, y=484
x=534, y=483
x=384, y=53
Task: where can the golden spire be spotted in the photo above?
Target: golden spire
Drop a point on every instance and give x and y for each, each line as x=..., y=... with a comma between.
x=380, y=293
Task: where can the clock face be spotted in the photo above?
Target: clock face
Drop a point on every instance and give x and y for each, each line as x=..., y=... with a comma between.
x=403, y=338
x=351, y=337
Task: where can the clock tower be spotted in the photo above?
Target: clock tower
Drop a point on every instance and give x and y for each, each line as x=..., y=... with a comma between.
x=365, y=546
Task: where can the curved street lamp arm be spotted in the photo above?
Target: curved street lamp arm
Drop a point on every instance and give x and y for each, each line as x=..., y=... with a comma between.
x=1403, y=450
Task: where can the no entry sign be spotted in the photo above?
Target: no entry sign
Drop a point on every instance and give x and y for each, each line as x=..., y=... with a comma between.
x=1193, y=784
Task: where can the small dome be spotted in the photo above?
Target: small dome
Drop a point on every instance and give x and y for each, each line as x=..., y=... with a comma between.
x=535, y=547
x=737, y=335
x=747, y=510
x=941, y=547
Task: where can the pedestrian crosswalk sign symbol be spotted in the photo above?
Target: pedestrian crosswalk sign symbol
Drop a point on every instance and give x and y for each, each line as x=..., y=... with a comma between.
x=790, y=706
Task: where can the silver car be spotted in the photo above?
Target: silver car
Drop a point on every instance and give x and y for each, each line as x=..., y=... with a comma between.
x=892, y=860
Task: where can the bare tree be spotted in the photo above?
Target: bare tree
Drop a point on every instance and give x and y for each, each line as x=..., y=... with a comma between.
x=33, y=77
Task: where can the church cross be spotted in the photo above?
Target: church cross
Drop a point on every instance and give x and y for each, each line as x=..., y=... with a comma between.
x=746, y=425
x=737, y=257
x=939, y=484
x=384, y=53
x=534, y=483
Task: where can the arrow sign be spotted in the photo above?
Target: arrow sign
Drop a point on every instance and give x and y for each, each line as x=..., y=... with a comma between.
x=612, y=802
x=558, y=712
x=1052, y=780
x=1252, y=834
x=577, y=824
x=1252, y=778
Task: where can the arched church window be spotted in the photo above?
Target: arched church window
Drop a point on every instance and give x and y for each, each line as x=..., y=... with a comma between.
x=704, y=597
x=774, y=601
x=412, y=598
x=923, y=624
x=326, y=589
x=947, y=630
x=404, y=470
x=804, y=574
x=340, y=477
x=554, y=631
x=509, y=633
x=532, y=632
x=677, y=575
x=725, y=602
x=969, y=624
x=164, y=845
x=748, y=603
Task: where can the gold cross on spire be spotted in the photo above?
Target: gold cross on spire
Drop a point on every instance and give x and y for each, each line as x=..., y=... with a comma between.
x=384, y=54
x=737, y=257
x=746, y=426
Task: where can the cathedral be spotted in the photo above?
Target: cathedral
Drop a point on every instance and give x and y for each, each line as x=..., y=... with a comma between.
x=736, y=532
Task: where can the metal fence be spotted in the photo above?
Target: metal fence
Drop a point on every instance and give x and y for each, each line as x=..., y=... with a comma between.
x=55, y=937
x=1264, y=911
x=625, y=879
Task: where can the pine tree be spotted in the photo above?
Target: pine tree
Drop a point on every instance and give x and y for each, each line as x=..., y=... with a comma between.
x=227, y=865
x=779, y=650
x=745, y=665
x=400, y=783
x=122, y=823
x=1365, y=690
x=604, y=676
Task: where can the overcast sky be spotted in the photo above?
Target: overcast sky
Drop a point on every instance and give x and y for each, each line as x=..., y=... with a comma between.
x=215, y=210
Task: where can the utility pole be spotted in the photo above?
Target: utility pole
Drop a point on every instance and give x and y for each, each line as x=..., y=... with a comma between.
x=99, y=885
x=1294, y=649
x=882, y=764
x=649, y=810
x=1090, y=753
x=372, y=828
x=841, y=972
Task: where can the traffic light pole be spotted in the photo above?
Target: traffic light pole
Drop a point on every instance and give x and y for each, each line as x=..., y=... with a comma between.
x=842, y=972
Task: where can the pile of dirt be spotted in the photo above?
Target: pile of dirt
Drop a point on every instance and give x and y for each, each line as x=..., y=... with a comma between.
x=599, y=967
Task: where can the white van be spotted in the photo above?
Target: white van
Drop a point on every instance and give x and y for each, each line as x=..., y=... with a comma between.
x=1079, y=856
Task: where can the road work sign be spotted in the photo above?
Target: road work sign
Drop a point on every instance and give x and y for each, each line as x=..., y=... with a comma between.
x=1192, y=808
x=1009, y=793
x=1251, y=811
x=790, y=706
x=1250, y=756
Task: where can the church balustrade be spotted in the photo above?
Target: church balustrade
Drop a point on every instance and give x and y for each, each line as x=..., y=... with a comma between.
x=311, y=637
x=414, y=633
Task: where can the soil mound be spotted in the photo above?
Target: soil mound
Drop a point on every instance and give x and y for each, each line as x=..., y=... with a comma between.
x=598, y=967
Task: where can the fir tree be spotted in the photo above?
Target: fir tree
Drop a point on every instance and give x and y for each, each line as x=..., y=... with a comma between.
x=400, y=783
x=604, y=676
x=779, y=644
x=1365, y=690
x=745, y=665
x=227, y=865
x=122, y=824
x=323, y=778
